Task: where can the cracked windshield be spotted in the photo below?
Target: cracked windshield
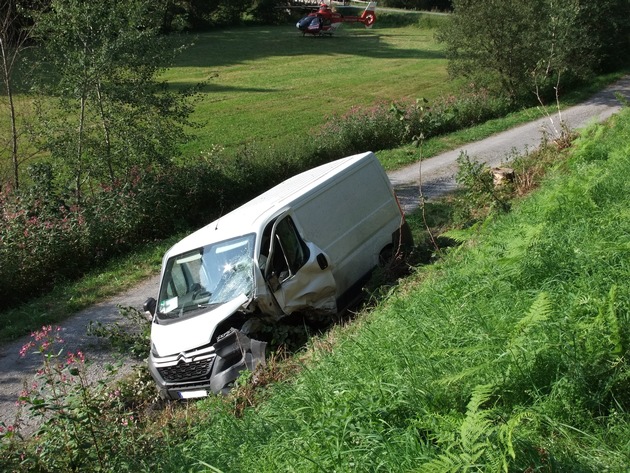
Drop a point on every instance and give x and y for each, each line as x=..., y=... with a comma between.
x=207, y=277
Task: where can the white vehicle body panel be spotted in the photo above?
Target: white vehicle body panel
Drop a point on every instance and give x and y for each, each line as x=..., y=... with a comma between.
x=308, y=242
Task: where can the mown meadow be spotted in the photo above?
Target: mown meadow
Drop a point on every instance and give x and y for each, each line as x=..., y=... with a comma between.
x=271, y=84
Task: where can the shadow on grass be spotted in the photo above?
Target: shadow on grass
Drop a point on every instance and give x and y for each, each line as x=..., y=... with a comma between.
x=240, y=45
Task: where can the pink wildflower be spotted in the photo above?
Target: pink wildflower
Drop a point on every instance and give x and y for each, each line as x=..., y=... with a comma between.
x=25, y=348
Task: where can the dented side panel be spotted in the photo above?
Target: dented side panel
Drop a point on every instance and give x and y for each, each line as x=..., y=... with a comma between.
x=310, y=288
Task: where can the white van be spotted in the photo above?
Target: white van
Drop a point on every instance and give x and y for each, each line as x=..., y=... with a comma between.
x=306, y=245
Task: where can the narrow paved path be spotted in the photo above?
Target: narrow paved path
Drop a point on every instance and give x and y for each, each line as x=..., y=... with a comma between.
x=438, y=178
x=437, y=174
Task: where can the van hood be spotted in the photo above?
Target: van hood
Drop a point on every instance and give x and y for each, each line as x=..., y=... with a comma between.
x=193, y=332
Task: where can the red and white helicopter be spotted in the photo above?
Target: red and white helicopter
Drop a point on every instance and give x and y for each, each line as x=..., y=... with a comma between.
x=326, y=20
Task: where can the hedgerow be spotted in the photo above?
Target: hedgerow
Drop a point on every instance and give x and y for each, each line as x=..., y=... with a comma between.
x=389, y=125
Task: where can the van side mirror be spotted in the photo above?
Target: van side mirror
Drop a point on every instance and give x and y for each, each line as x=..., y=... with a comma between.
x=149, y=305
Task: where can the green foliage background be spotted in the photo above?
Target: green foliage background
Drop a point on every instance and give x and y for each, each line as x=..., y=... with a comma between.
x=542, y=46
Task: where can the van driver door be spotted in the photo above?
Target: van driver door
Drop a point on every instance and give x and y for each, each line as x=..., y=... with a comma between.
x=297, y=272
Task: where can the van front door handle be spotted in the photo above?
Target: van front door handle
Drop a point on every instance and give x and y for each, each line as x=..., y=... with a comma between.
x=322, y=261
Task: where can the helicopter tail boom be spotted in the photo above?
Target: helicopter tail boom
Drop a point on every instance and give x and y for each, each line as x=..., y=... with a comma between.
x=369, y=15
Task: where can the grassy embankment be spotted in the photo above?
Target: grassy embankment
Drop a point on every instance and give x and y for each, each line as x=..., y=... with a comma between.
x=510, y=354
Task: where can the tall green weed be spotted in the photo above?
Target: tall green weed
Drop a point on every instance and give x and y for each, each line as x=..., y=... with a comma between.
x=79, y=425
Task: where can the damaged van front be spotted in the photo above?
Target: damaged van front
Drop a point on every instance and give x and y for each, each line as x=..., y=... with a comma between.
x=195, y=348
x=212, y=298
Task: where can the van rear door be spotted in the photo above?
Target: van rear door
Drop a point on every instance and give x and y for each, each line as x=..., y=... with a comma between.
x=297, y=272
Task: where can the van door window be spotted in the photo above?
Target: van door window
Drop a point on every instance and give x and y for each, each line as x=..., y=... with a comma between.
x=179, y=281
x=289, y=252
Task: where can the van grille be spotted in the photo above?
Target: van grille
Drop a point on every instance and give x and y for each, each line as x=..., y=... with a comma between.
x=183, y=371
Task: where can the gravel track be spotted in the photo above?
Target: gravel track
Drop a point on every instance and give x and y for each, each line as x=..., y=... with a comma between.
x=437, y=177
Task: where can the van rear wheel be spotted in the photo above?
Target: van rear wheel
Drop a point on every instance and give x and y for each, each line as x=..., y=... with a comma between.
x=386, y=256
x=399, y=249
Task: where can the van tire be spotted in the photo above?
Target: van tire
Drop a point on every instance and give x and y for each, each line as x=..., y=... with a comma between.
x=399, y=249
x=403, y=239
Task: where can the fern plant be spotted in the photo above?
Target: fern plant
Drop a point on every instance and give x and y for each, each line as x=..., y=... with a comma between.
x=482, y=443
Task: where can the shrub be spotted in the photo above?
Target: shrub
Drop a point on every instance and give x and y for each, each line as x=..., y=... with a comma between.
x=386, y=126
x=80, y=426
x=361, y=129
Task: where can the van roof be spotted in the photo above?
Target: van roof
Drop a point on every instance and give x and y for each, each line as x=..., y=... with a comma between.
x=249, y=217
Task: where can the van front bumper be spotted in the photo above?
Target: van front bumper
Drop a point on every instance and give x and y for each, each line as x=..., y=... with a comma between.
x=211, y=369
x=183, y=375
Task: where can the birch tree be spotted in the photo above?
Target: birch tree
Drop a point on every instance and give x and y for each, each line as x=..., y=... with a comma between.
x=110, y=111
x=14, y=37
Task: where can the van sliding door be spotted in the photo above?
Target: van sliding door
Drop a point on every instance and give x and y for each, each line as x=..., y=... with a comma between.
x=297, y=272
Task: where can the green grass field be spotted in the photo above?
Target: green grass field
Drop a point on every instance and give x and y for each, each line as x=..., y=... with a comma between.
x=270, y=83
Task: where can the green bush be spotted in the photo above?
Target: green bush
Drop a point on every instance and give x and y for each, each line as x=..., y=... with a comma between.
x=81, y=425
x=386, y=126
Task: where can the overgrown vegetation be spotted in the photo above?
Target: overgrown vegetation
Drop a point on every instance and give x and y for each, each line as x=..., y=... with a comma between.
x=81, y=424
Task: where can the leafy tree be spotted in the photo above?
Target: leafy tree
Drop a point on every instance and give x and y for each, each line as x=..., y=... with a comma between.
x=14, y=38
x=609, y=30
x=204, y=14
x=516, y=47
x=418, y=4
x=110, y=113
x=267, y=11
